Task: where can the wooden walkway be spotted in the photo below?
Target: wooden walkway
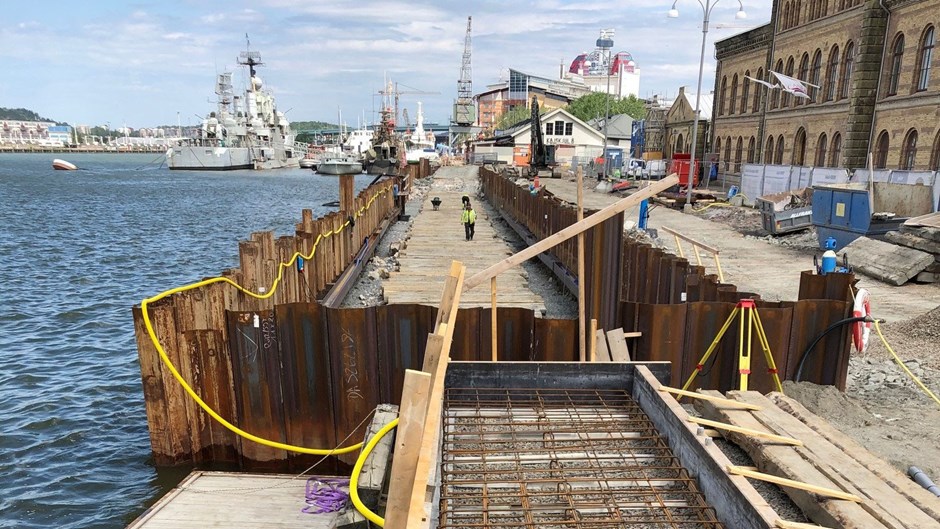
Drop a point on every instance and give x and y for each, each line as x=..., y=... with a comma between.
x=234, y=501
x=437, y=238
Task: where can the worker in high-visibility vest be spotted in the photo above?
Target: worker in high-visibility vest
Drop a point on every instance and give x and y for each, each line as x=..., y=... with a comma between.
x=468, y=217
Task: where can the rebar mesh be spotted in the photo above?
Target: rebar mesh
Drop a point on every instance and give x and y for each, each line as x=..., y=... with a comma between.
x=562, y=458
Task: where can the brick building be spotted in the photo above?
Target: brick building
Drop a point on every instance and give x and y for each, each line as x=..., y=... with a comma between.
x=874, y=64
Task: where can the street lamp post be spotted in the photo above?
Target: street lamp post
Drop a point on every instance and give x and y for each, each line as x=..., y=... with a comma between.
x=707, y=7
x=605, y=42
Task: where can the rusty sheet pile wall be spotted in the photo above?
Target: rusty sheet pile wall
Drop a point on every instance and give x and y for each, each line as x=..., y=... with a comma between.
x=679, y=307
x=545, y=214
x=192, y=325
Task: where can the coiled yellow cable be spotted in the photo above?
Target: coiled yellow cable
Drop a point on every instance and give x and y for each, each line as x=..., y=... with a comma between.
x=357, y=469
x=268, y=293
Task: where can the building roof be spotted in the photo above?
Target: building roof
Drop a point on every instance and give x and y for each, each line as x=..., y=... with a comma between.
x=705, y=104
x=526, y=127
x=620, y=126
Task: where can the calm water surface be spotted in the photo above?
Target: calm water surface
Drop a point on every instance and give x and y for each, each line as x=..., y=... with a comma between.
x=77, y=251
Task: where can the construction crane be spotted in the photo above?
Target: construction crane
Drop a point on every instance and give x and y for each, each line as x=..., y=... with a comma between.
x=405, y=120
x=463, y=108
x=541, y=156
x=391, y=93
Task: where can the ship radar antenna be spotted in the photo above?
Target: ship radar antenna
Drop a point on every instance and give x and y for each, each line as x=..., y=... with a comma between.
x=249, y=58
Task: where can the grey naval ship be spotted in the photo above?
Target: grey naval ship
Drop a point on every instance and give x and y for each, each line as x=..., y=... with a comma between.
x=245, y=132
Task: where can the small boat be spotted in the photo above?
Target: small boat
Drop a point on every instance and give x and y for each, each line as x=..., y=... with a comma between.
x=62, y=165
x=338, y=166
x=308, y=163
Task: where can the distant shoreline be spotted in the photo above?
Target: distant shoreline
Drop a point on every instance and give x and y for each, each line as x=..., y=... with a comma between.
x=35, y=149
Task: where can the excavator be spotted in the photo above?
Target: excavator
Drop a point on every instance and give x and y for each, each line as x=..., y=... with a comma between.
x=541, y=156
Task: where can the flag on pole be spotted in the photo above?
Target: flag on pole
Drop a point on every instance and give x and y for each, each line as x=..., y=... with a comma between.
x=792, y=85
x=765, y=83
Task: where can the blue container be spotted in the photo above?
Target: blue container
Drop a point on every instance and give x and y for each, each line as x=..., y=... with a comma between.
x=843, y=212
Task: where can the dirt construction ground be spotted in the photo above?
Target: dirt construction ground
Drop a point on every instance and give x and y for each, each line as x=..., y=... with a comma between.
x=882, y=407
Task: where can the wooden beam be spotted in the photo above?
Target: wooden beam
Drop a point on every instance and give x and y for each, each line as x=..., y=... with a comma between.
x=417, y=515
x=412, y=413
x=592, y=350
x=701, y=245
x=694, y=395
x=618, y=346
x=786, y=524
x=569, y=232
x=822, y=491
x=632, y=335
x=746, y=431
x=582, y=338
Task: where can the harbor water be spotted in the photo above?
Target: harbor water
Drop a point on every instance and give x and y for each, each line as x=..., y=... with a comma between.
x=77, y=250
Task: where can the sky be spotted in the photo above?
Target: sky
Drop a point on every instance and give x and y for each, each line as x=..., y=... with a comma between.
x=145, y=64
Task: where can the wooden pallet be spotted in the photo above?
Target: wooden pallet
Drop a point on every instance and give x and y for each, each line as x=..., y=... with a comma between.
x=827, y=459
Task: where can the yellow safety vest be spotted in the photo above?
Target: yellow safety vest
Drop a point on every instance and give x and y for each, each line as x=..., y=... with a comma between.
x=468, y=216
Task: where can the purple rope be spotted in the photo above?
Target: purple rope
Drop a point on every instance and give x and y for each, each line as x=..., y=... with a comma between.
x=325, y=495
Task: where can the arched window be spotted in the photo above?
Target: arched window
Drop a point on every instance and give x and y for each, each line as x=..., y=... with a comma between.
x=815, y=72
x=924, y=58
x=722, y=92
x=799, y=148
x=935, y=154
x=821, y=146
x=908, y=150
x=786, y=16
x=750, y=150
x=832, y=73
x=728, y=153
x=718, y=149
x=778, y=155
x=804, y=74
x=847, y=65
x=745, y=91
x=786, y=97
x=757, y=90
x=796, y=13
x=734, y=95
x=680, y=145
x=881, y=151
x=776, y=95
x=769, y=150
x=835, y=157
x=738, y=153
x=894, y=69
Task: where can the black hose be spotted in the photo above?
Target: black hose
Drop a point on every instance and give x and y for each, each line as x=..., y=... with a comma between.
x=836, y=325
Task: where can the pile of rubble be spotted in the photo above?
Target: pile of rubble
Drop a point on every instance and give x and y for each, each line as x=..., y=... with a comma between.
x=921, y=234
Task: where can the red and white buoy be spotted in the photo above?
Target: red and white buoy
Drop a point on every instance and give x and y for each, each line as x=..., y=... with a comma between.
x=862, y=329
x=62, y=165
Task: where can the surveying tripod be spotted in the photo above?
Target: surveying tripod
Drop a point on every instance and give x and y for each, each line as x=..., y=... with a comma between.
x=749, y=320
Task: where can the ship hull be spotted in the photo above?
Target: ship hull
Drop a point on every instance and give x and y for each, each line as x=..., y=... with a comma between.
x=195, y=158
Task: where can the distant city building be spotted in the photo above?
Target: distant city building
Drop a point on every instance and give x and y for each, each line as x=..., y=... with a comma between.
x=653, y=128
x=621, y=79
x=574, y=140
x=877, y=92
x=44, y=133
x=505, y=96
x=680, y=120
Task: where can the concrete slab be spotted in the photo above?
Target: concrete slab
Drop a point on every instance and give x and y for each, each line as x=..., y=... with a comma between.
x=888, y=262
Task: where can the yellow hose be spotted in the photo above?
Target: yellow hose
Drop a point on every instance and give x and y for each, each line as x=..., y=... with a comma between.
x=357, y=469
x=268, y=293
x=904, y=367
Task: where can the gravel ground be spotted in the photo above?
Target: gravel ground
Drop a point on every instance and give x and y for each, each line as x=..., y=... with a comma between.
x=368, y=288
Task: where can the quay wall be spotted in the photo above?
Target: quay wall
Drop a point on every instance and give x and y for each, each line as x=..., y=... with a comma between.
x=292, y=370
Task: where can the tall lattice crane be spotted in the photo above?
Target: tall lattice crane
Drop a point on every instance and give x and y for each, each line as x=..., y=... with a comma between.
x=391, y=94
x=463, y=108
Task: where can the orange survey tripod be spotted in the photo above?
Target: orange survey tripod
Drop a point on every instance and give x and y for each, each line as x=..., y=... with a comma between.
x=749, y=320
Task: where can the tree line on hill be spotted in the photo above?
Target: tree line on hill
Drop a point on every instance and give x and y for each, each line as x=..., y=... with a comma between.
x=24, y=114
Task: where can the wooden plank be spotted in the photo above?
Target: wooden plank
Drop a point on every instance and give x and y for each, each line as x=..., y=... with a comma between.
x=784, y=460
x=747, y=431
x=600, y=341
x=912, y=492
x=695, y=395
x=592, y=350
x=815, y=489
x=701, y=245
x=418, y=515
x=786, y=524
x=632, y=334
x=737, y=503
x=569, y=232
x=412, y=414
x=618, y=346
